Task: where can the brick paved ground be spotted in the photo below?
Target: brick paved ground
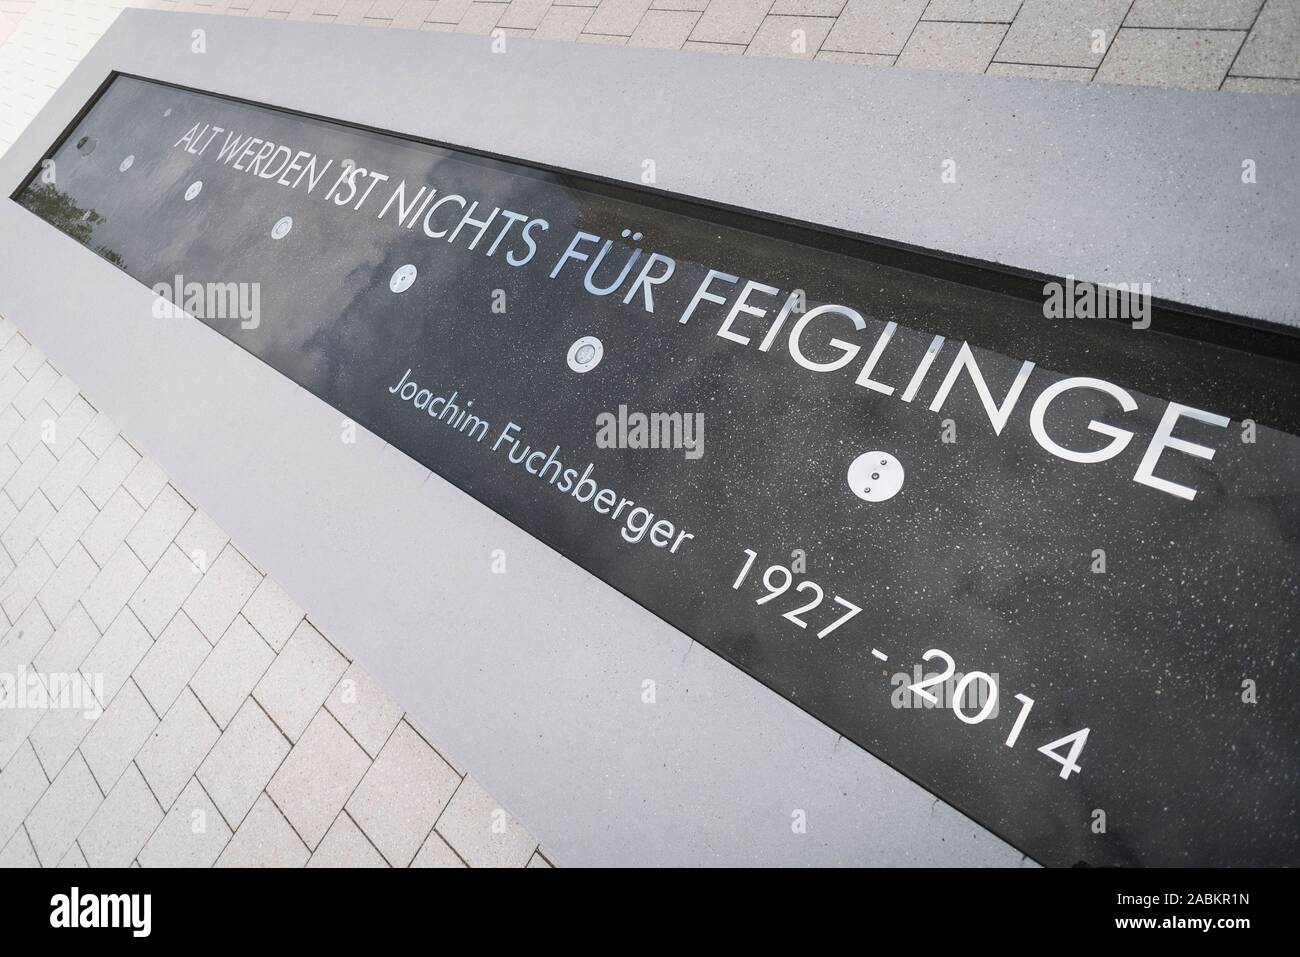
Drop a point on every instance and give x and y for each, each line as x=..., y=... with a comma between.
x=225, y=729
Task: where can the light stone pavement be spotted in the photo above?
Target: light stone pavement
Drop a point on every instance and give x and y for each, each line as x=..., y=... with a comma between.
x=1236, y=45
x=224, y=729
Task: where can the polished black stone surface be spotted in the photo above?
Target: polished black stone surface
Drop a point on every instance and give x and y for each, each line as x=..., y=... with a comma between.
x=1179, y=658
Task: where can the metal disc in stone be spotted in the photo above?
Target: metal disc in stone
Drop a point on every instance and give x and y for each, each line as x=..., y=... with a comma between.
x=875, y=476
x=402, y=278
x=585, y=354
x=282, y=227
x=126, y=164
x=194, y=189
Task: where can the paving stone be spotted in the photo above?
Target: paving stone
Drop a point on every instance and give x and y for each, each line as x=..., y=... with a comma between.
x=70, y=579
x=117, y=736
x=99, y=434
x=697, y=6
x=116, y=655
x=1061, y=34
x=10, y=422
x=109, y=472
x=201, y=539
x=61, y=730
x=30, y=361
x=67, y=475
x=242, y=762
x=113, y=587
x=1254, y=84
x=482, y=832
x=22, y=782
x=273, y=613
x=159, y=526
x=345, y=846
x=1079, y=74
x=317, y=777
x=563, y=23
x=450, y=11
x=734, y=49
x=265, y=839
x=176, y=748
x=162, y=593
x=666, y=29
x=869, y=26
x=145, y=481
x=24, y=641
x=1183, y=59
x=796, y=38
x=524, y=14
x=33, y=394
x=108, y=530
x=74, y=858
x=231, y=672
x=63, y=811
x=412, y=13
x=23, y=530
x=973, y=11
x=401, y=796
x=19, y=852
x=537, y=860
x=69, y=644
x=226, y=587
x=1194, y=14
x=27, y=478
x=37, y=424
x=1273, y=47
x=171, y=663
x=61, y=394
x=364, y=709
x=191, y=835
x=25, y=581
x=16, y=724
x=730, y=21
x=481, y=18
x=618, y=17
x=299, y=681
x=8, y=465
x=74, y=421
x=807, y=8
x=118, y=830
x=436, y=853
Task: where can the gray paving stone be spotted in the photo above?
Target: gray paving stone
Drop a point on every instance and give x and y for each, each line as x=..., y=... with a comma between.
x=162, y=593
x=538, y=861
x=242, y=762
x=364, y=709
x=67, y=475
x=202, y=539
x=973, y=11
x=99, y=434
x=230, y=673
x=698, y=46
x=121, y=825
x=1273, y=47
x=63, y=588
x=300, y=679
x=145, y=482
x=697, y=6
x=436, y=853
x=401, y=796
x=317, y=777
x=25, y=640
x=265, y=839
x=117, y=736
x=159, y=525
x=345, y=846
x=1181, y=59
x=482, y=832
x=273, y=613
x=796, y=38
x=869, y=26
x=807, y=8
x=1194, y=14
x=225, y=589
x=113, y=587
x=108, y=530
x=115, y=655
x=171, y=662
x=27, y=478
x=1254, y=84
x=74, y=858
x=73, y=421
x=1079, y=74
x=69, y=644
x=61, y=730
x=666, y=29
x=191, y=835
x=63, y=811
x=1053, y=33
x=109, y=472
x=22, y=782
x=730, y=21
x=36, y=425
x=176, y=748
x=481, y=18
x=19, y=852
x=524, y=14
x=25, y=582
x=618, y=17
x=24, y=528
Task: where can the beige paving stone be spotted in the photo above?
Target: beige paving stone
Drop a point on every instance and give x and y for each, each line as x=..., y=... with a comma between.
x=796, y=38
x=70, y=579
x=1252, y=84
x=1194, y=14
x=69, y=644
x=162, y=593
x=25, y=581
x=734, y=49
x=159, y=526
x=171, y=663
x=697, y=6
x=176, y=748
x=273, y=613
x=229, y=674
x=242, y=762
x=63, y=811
x=23, y=530
x=482, y=832
x=317, y=777
x=265, y=839
x=729, y=21
x=1079, y=74
x=22, y=782
x=19, y=852
x=563, y=23
x=145, y=481
x=618, y=17
x=807, y=8
x=667, y=29
x=116, y=655
x=113, y=587
x=119, y=828
x=1181, y=59
x=601, y=39
x=67, y=474
x=345, y=846
x=27, y=478
x=108, y=530
x=973, y=11
x=117, y=736
x=1273, y=47
x=450, y=11
x=202, y=539
x=401, y=796
x=481, y=18
x=436, y=853
x=870, y=26
x=412, y=13
x=227, y=586
x=524, y=14
x=364, y=709
x=1053, y=33
x=191, y=835
x=109, y=472
x=300, y=679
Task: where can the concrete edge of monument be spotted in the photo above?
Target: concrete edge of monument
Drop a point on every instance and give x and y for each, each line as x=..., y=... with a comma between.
x=532, y=680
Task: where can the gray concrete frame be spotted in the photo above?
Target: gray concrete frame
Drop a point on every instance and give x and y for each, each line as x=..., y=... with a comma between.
x=532, y=680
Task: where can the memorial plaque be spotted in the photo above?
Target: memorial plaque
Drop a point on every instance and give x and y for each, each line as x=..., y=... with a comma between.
x=1045, y=564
